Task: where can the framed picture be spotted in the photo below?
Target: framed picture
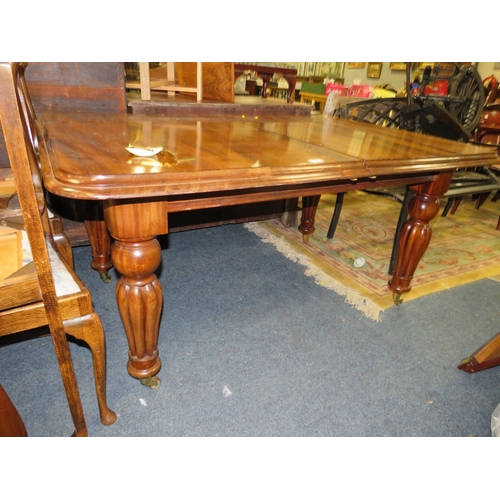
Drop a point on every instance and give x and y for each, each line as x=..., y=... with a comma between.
x=424, y=65
x=374, y=70
x=302, y=69
x=355, y=65
x=397, y=66
x=332, y=69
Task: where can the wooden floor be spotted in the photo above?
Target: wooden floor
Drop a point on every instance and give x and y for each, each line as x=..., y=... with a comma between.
x=162, y=104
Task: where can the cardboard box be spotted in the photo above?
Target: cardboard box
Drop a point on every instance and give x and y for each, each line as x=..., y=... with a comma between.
x=11, y=251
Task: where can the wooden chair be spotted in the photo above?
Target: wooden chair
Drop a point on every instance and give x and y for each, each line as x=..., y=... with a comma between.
x=487, y=133
x=46, y=291
x=491, y=91
x=488, y=129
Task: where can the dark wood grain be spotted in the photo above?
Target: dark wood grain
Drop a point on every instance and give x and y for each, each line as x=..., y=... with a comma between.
x=217, y=79
x=77, y=86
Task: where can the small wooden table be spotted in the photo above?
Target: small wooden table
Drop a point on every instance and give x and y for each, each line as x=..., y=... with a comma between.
x=230, y=160
x=310, y=96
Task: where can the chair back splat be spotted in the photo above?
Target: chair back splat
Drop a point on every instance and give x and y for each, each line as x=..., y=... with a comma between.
x=52, y=294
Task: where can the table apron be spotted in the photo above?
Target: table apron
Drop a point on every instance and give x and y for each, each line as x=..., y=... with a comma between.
x=127, y=220
x=137, y=219
x=222, y=199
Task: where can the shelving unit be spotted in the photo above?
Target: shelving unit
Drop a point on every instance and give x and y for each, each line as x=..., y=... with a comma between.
x=170, y=83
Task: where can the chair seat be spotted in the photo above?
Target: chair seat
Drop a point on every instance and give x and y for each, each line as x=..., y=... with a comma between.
x=63, y=280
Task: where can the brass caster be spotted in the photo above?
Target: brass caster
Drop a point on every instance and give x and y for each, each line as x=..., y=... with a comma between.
x=105, y=277
x=396, y=297
x=151, y=382
x=305, y=238
x=466, y=360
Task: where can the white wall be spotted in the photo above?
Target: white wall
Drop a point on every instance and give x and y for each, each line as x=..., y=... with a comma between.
x=486, y=69
x=396, y=79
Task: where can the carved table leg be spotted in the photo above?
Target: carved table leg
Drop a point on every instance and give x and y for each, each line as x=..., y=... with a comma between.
x=416, y=232
x=136, y=255
x=309, y=207
x=100, y=243
x=140, y=299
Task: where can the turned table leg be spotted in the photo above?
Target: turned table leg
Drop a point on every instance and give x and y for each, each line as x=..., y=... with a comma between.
x=136, y=255
x=100, y=243
x=140, y=299
x=416, y=232
x=309, y=207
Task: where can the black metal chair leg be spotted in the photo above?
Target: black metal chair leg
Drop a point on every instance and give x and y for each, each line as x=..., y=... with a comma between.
x=446, y=209
x=403, y=215
x=336, y=215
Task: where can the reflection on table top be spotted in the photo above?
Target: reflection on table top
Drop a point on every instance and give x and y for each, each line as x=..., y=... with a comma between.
x=88, y=158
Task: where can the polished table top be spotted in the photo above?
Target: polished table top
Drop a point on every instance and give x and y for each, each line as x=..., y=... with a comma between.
x=214, y=154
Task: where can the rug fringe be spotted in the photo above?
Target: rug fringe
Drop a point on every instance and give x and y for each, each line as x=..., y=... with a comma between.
x=352, y=297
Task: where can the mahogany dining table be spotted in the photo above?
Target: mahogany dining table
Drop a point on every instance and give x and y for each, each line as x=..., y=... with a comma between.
x=214, y=161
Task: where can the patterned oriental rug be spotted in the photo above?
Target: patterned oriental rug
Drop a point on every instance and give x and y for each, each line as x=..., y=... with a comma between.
x=465, y=247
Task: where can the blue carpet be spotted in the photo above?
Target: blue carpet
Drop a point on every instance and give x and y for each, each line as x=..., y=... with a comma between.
x=251, y=346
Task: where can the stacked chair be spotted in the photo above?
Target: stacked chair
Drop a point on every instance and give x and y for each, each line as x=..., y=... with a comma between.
x=429, y=115
x=488, y=132
x=45, y=292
